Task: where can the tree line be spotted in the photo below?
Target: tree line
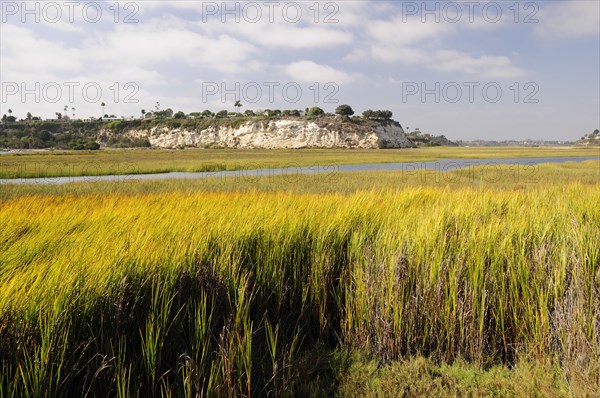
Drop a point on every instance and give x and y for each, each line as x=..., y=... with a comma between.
x=315, y=111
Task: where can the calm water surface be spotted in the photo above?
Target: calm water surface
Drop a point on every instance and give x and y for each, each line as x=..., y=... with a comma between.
x=441, y=165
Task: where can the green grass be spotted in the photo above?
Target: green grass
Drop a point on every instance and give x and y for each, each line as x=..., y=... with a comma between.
x=422, y=285
x=141, y=161
x=351, y=374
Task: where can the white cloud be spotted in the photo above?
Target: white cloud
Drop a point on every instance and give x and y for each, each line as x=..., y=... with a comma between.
x=306, y=25
x=23, y=52
x=492, y=67
x=569, y=19
x=289, y=35
x=156, y=42
x=126, y=74
x=413, y=42
x=396, y=32
x=397, y=41
x=62, y=25
x=309, y=71
x=152, y=5
x=281, y=33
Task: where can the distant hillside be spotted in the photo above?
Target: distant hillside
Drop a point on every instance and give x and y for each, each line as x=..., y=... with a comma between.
x=592, y=139
x=211, y=132
x=232, y=132
x=261, y=132
x=49, y=134
x=425, y=139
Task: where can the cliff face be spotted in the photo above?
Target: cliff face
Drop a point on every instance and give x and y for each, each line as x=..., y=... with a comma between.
x=282, y=133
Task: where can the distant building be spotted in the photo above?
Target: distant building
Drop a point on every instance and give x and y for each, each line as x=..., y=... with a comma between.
x=104, y=119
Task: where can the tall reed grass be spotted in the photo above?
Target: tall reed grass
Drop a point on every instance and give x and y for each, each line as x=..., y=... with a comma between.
x=215, y=294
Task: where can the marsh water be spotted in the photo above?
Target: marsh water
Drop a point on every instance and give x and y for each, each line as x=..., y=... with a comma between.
x=291, y=170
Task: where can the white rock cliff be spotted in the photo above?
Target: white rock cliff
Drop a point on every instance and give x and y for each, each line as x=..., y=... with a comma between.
x=283, y=133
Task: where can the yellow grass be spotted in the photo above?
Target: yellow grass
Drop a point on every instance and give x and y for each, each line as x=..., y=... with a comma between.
x=177, y=291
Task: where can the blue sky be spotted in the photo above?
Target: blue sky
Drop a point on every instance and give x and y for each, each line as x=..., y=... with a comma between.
x=544, y=57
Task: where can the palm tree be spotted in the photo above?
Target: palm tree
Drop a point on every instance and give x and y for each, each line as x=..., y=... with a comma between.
x=10, y=112
x=237, y=105
x=73, y=109
x=66, y=109
x=103, y=105
x=143, y=113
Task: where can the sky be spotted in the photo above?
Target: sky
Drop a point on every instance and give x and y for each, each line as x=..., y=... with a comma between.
x=469, y=70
